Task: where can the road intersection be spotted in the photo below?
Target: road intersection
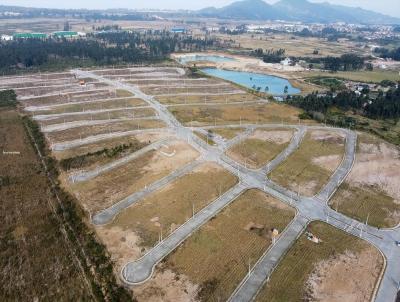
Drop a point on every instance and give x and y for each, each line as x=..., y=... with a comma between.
x=308, y=208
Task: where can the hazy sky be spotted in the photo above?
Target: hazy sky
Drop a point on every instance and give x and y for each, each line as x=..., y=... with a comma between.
x=390, y=7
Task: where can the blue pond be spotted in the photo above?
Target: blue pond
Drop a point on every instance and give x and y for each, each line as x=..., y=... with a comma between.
x=197, y=58
x=276, y=85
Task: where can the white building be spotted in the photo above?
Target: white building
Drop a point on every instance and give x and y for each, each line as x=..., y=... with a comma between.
x=6, y=38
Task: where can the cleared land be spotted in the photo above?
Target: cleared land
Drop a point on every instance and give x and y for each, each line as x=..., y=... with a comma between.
x=138, y=228
x=261, y=147
x=100, y=105
x=86, y=131
x=228, y=133
x=340, y=268
x=111, y=115
x=110, y=187
x=307, y=169
x=217, y=256
x=35, y=261
x=196, y=99
x=146, y=138
x=232, y=114
x=371, y=190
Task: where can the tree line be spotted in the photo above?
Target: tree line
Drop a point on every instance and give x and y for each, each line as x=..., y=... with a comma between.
x=383, y=106
x=99, y=49
x=386, y=53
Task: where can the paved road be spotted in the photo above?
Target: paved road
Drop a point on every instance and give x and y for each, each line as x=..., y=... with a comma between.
x=139, y=271
x=267, y=263
x=309, y=209
x=293, y=145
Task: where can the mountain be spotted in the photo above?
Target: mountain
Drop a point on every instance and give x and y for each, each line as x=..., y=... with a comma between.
x=297, y=10
x=246, y=9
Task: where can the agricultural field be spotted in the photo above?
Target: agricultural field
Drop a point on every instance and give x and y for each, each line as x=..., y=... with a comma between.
x=235, y=114
x=139, y=227
x=261, y=147
x=295, y=46
x=216, y=257
x=339, y=266
x=309, y=168
x=358, y=76
x=371, y=191
x=36, y=260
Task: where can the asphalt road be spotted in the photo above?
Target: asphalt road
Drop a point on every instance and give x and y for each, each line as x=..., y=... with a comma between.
x=309, y=209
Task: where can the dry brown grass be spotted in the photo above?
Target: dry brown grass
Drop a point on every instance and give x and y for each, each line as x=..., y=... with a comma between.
x=147, y=138
x=112, y=186
x=167, y=209
x=309, y=168
x=289, y=280
x=118, y=114
x=217, y=256
x=191, y=99
x=260, y=148
x=111, y=104
x=86, y=131
x=35, y=262
x=234, y=114
x=228, y=133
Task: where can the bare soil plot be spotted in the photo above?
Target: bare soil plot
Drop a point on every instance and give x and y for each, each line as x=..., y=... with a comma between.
x=35, y=262
x=70, y=88
x=70, y=97
x=217, y=256
x=164, y=211
x=228, y=133
x=309, y=168
x=340, y=268
x=91, y=160
x=104, y=104
x=196, y=99
x=189, y=89
x=146, y=138
x=107, y=115
x=261, y=147
x=111, y=187
x=121, y=93
x=371, y=190
x=86, y=131
x=234, y=114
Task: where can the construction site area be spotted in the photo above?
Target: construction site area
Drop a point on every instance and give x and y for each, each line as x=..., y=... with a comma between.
x=203, y=191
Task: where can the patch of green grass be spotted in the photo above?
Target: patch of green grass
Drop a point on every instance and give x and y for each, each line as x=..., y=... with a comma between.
x=366, y=202
x=288, y=281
